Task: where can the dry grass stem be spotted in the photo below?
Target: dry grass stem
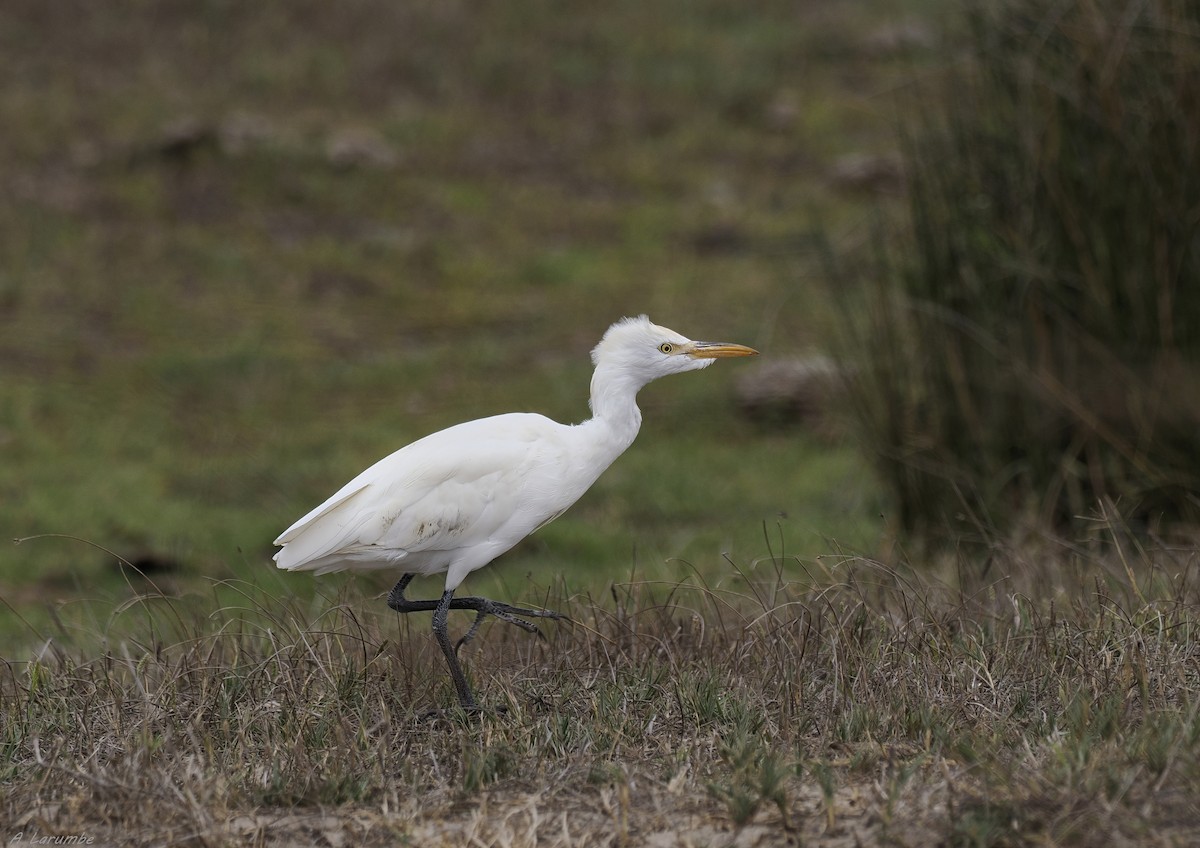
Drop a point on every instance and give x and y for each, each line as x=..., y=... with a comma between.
x=1055, y=705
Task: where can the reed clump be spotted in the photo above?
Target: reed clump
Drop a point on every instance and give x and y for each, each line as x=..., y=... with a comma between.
x=1032, y=347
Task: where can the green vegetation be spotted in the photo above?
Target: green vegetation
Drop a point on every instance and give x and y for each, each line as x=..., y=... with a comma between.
x=1036, y=348
x=248, y=248
x=251, y=248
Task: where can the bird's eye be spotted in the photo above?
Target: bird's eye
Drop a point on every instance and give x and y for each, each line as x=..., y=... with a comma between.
x=666, y=347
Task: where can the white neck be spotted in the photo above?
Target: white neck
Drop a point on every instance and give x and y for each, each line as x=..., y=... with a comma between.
x=614, y=408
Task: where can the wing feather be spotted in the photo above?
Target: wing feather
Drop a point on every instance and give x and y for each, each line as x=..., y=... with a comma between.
x=451, y=490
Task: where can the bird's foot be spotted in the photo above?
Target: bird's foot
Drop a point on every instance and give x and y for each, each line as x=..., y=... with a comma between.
x=502, y=611
x=507, y=611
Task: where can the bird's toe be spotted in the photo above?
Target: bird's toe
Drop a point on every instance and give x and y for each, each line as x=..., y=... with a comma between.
x=511, y=618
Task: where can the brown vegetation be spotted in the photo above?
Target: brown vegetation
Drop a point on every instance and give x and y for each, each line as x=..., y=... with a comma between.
x=861, y=704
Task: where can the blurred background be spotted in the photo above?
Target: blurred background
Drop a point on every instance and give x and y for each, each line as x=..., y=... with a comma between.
x=246, y=249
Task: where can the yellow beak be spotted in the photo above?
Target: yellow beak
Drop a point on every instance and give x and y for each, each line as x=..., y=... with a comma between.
x=719, y=350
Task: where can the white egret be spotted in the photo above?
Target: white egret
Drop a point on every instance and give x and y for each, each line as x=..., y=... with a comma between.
x=455, y=500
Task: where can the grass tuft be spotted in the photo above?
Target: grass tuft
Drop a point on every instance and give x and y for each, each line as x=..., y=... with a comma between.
x=1056, y=701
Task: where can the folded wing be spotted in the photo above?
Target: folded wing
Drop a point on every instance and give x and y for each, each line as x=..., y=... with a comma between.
x=425, y=504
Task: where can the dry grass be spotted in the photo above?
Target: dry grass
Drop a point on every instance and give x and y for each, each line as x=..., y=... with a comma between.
x=841, y=702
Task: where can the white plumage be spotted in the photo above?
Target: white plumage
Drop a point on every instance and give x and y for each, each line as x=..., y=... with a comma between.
x=457, y=499
x=453, y=500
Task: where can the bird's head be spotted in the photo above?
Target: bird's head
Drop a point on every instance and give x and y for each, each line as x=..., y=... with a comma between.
x=646, y=351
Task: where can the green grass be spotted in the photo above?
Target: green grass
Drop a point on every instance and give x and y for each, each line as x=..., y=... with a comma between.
x=211, y=322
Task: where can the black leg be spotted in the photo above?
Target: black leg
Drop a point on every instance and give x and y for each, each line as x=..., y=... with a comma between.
x=396, y=599
x=483, y=608
x=465, y=698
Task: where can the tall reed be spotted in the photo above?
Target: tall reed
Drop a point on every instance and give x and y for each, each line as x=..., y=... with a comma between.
x=1033, y=347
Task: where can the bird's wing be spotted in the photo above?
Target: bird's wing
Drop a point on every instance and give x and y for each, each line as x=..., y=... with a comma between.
x=324, y=531
x=451, y=490
x=339, y=498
